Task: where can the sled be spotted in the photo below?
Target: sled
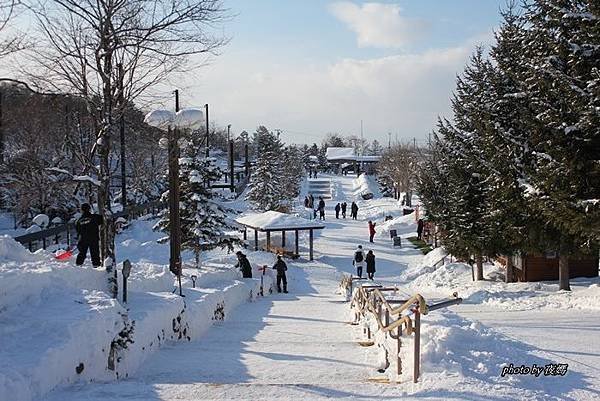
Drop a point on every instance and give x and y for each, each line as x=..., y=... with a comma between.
x=65, y=255
x=366, y=343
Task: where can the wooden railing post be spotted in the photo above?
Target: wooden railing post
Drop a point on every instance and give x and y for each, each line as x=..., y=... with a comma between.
x=417, y=350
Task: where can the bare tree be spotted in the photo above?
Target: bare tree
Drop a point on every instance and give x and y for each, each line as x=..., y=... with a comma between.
x=398, y=168
x=110, y=52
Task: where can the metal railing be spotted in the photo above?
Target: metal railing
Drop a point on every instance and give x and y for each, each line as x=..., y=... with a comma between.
x=393, y=320
x=66, y=232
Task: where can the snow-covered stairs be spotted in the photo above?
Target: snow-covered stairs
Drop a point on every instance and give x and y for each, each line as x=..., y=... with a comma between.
x=320, y=187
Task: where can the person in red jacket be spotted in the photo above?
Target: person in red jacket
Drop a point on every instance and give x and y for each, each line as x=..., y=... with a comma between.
x=371, y=230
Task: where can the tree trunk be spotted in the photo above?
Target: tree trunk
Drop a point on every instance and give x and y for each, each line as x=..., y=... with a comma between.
x=509, y=270
x=479, y=261
x=563, y=268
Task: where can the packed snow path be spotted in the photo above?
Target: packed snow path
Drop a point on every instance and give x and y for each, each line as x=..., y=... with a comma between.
x=299, y=346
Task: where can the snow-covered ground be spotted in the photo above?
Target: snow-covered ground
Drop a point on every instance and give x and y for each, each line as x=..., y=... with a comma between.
x=299, y=345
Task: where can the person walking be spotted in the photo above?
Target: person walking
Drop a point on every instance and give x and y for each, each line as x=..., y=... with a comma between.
x=359, y=260
x=420, y=229
x=354, y=211
x=371, y=230
x=344, y=206
x=244, y=265
x=370, y=260
x=88, y=231
x=281, y=268
x=321, y=208
x=338, y=207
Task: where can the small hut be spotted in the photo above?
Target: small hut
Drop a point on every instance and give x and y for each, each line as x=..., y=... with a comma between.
x=544, y=267
x=283, y=223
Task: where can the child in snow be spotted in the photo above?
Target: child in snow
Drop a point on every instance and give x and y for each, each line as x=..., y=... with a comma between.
x=370, y=260
x=371, y=230
x=359, y=260
x=281, y=268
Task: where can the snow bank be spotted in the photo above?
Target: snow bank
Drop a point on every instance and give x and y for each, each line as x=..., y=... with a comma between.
x=494, y=292
x=13, y=253
x=58, y=325
x=456, y=351
x=402, y=225
x=365, y=184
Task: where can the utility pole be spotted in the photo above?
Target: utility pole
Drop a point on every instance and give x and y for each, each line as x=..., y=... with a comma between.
x=206, y=109
x=414, y=142
x=174, y=221
x=389, y=140
x=228, y=132
x=231, y=167
x=362, y=143
x=122, y=129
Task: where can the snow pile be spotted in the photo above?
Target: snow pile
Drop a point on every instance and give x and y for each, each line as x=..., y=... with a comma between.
x=402, y=225
x=12, y=253
x=428, y=264
x=365, y=184
x=455, y=352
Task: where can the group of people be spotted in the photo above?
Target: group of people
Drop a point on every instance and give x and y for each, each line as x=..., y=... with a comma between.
x=361, y=260
x=309, y=203
x=280, y=266
x=342, y=207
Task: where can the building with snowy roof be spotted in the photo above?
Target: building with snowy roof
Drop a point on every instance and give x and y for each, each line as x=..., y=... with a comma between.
x=345, y=159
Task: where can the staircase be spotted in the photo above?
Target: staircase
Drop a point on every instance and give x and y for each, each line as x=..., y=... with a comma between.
x=320, y=187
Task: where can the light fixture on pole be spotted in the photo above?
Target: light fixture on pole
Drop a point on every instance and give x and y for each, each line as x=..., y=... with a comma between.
x=169, y=121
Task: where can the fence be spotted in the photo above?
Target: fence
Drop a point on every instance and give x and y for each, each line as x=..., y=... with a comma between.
x=369, y=299
x=66, y=232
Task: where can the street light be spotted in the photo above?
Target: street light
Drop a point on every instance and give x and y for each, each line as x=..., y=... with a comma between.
x=169, y=121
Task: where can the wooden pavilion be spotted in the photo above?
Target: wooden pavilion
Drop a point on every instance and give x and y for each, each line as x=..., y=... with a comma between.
x=272, y=221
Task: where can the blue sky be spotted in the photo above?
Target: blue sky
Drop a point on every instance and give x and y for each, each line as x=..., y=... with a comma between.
x=310, y=67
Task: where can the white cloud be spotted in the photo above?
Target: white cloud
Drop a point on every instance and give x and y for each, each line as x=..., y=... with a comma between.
x=400, y=94
x=378, y=24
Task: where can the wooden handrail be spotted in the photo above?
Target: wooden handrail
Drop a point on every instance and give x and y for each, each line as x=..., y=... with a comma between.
x=370, y=299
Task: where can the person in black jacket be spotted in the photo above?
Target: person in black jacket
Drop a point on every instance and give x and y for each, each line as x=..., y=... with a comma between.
x=244, y=265
x=337, y=211
x=344, y=206
x=281, y=268
x=370, y=260
x=354, y=211
x=321, y=208
x=88, y=231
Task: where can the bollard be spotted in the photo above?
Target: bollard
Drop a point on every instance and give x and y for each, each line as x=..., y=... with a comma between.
x=126, y=271
x=194, y=277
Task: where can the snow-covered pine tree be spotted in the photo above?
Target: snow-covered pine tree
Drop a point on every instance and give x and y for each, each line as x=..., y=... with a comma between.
x=292, y=173
x=465, y=213
x=205, y=224
x=265, y=191
x=562, y=64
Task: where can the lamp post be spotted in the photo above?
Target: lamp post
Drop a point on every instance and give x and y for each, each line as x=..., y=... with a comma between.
x=172, y=122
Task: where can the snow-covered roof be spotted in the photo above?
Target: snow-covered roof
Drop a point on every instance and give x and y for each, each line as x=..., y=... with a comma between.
x=368, y=158
x=334, y=154
x=272, y=220
x=340, y=154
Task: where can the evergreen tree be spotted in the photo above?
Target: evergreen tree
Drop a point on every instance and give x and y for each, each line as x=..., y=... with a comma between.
x=292, y=173
x=561, y=64
x=264, y=191
x=205, y=224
